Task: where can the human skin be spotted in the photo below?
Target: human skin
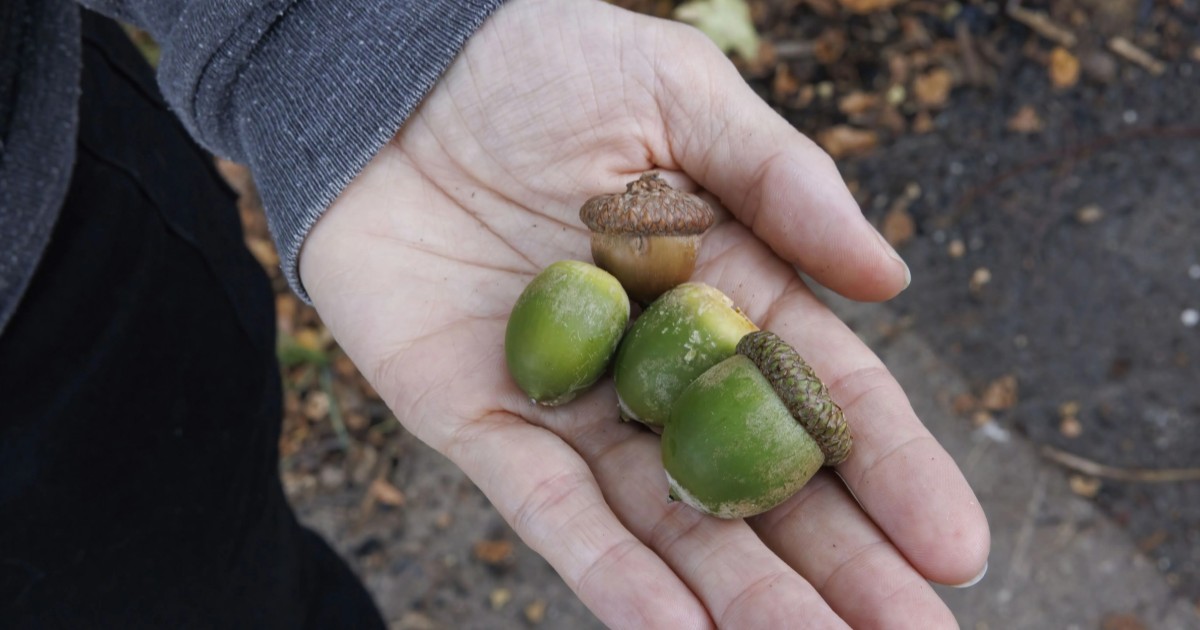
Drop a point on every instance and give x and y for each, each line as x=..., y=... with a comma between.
x=416, y=265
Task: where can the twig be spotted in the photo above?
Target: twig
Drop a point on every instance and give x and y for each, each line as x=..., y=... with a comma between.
x=1104, y=471
x=1131, y=52
x=977, y=75
x=795, y=49
x=1040, y=23
x=335, y=408
x=1070, y=153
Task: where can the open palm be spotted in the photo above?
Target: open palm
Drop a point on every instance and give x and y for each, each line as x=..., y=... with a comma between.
x=416, y=267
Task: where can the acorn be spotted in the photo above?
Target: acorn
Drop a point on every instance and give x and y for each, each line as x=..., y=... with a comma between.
x=680, y=335
x=648, y=236
x=751, y=431
x=563, y=331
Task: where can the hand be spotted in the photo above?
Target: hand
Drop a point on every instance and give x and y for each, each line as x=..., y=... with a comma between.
x=417, y=264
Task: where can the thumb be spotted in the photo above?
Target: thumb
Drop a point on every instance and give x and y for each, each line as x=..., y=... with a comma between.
x=770, y=176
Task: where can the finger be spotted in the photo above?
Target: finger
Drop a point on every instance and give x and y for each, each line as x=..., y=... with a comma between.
x=775, y=180
x=905, y=480
x=849, y=561
x=552, y=501
x=741, y=582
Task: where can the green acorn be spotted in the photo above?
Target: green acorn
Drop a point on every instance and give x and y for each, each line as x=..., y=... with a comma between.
x=751, y=431
x=683, y=333
x=563, y=330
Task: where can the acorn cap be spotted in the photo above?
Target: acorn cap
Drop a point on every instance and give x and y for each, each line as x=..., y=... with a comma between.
x=805, y=396
x=649, y=207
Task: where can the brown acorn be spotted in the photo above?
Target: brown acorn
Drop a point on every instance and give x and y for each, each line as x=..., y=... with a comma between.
x=648, y=236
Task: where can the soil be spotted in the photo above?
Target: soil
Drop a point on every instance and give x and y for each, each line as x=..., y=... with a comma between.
x=1043, y=191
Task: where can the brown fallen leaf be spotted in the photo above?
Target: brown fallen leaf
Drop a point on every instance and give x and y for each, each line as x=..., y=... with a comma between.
x=1121, y=621
x=1087, y=487
x=867, y=6
x=535, y=611
x=1070, y=427
x=1064, y=68
x=856, y=103
x=263, y=251
x=898, y=226
x=784, y=85
x=286, y=305
x=1026, y=120
x=842, y=141
x=384, y=492
x=309, y=338
x=830, y=45
x=965, y=403
x=1000, y=394
x=932, y=88
x=922, y=123
x=494, y=552
x=499, y=597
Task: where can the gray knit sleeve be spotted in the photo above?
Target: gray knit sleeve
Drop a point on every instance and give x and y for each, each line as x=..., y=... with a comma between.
x=304, y=92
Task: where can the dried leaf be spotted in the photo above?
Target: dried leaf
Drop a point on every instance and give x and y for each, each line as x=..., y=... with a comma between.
x=868, y=6
x=933, y=88
x=784, y=85
x=499, y=597
x=726, y=22
x=830, y=45
x=856, y=103
x=1000, y=394
x=1026, y=120
x=922, y=123
x=494, y=552
x=384, y=492
x=535, y=611
x=1070, y=427
x=965, y=403
x=1064, y=68
x=1083, y=486
x=263, y=251
x=309, y=339
x=845, y=141
x=1121, y=621
x=898, y=226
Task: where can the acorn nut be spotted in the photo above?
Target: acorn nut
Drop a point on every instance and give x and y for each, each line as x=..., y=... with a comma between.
x=648, y=236
x=683, y=333
x=751, y=431
x=563, y=330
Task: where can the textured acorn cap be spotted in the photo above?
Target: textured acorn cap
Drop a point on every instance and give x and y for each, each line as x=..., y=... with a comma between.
x=805, y=396
x=648, y=207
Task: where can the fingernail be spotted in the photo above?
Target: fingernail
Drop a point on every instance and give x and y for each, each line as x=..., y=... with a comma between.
x=973, y=581
x=891, y=252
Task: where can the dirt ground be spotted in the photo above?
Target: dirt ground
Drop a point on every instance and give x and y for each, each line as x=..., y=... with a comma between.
x=1036, y=165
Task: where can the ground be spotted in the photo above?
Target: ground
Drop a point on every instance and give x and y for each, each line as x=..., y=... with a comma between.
x=1035, y=163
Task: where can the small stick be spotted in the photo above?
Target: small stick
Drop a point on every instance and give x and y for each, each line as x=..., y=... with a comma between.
x=1104, y=471
x=1131, y=52
x=1041, y=24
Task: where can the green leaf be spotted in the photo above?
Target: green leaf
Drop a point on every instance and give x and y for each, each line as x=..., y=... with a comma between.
x=726, y=22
